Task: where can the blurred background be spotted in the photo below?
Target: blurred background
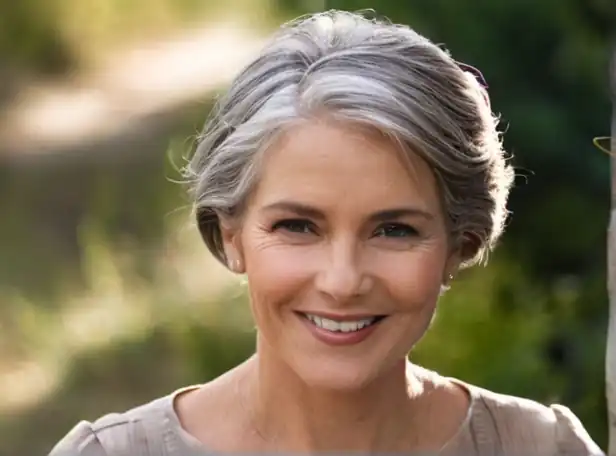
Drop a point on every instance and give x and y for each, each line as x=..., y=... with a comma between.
x=107, y=296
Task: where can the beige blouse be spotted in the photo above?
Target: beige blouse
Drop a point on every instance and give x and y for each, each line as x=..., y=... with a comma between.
x=495, y=425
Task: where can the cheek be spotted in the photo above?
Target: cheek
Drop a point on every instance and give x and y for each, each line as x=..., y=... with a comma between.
x=415, y=278
x=277, y=274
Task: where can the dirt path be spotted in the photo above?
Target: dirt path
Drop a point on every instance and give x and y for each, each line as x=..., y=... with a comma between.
x=138, y=84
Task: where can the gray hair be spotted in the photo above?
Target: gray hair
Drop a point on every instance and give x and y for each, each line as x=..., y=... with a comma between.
x=372, y=73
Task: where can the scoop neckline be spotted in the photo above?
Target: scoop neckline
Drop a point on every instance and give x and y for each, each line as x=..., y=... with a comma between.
x=186, y=438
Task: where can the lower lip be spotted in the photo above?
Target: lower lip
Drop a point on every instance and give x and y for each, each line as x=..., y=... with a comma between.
x=339, y=338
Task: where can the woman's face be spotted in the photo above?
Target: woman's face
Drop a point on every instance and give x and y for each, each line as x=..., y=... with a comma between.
x=345, y=250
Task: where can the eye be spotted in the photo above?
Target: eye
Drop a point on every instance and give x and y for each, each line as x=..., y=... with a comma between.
x=395, y=230
x=297, y=226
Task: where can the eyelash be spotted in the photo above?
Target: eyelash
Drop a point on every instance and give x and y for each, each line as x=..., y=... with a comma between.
x=407, y=230
x=288, y=224
x=307, y=227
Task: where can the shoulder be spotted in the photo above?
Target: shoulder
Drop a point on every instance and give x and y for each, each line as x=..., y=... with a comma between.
x=522, y=425
x=119, y=434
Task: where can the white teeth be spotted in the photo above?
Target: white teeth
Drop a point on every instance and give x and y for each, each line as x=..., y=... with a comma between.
x=340, y=326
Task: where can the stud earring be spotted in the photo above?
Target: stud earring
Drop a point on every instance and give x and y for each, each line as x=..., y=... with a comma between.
x=445, y=286
x=235, y=265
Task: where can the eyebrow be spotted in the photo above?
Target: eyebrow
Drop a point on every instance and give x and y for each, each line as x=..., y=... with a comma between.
x=304, y=210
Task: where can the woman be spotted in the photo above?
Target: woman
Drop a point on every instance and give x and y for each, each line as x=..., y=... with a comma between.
x=349, y=172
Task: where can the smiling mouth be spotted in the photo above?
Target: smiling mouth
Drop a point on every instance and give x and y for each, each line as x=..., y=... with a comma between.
x=336, y=326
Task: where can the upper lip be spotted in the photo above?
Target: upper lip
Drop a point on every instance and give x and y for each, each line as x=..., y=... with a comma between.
x=341, y=317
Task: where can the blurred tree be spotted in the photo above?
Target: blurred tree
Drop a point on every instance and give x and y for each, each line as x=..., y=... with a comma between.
x=29, y=37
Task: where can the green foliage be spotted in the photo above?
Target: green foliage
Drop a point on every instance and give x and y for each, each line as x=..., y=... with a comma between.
x=29, y=36
x=502, y=310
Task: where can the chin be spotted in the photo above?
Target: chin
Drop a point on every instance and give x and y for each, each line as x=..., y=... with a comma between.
x=335, y=373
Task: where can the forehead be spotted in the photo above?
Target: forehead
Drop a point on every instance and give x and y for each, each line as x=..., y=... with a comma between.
x=318, y=160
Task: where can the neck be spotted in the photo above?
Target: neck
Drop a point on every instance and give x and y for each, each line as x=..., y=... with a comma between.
x=289, y=415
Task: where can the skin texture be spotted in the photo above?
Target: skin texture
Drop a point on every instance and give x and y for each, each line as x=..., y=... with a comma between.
x=341, y=224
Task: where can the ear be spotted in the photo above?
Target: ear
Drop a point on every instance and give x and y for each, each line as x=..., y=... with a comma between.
x=453, y=262
x=230, y=232
x=464, y=249
x=469, y=246
x=451, y=266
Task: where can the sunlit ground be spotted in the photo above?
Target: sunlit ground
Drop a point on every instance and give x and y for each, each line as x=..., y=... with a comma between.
x=147, y=79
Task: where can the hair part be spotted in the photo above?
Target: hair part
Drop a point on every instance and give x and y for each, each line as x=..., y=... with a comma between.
x=366, y=72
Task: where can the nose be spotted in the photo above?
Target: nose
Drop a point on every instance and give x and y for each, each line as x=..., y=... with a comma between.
x=342, y=276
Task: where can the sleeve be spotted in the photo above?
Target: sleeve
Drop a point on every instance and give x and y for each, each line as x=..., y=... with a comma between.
x=80, y=441
x=571, y=437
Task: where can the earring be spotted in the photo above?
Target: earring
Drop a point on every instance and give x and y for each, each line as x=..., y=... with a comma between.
x=235, y=265
x=445, y=286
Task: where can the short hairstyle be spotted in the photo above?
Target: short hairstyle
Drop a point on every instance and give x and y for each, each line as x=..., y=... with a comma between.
x=372, y=73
